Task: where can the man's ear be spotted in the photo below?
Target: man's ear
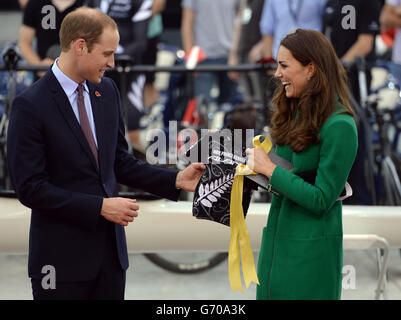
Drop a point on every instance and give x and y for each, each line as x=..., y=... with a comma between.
x=79, y=47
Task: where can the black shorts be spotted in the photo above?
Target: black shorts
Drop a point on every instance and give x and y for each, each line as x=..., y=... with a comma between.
x=150, y=57
x=132, y=112
x=133, y=117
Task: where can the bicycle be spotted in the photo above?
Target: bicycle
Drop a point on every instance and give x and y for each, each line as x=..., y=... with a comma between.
x=388, y=160
x=376, y=117
x=12, y=82
x=375, y=146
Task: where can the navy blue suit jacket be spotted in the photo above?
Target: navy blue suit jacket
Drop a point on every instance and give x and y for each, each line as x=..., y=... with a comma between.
x=55, y=174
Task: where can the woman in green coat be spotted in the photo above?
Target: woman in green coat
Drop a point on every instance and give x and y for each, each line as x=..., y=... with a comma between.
x=313, y=127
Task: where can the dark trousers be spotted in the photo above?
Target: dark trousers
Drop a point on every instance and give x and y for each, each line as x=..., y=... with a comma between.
x=109, y=283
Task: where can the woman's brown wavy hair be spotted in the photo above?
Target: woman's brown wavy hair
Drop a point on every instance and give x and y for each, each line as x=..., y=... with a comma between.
x=318, y=101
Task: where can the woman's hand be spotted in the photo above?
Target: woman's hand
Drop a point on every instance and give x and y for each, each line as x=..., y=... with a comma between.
x=260, y=162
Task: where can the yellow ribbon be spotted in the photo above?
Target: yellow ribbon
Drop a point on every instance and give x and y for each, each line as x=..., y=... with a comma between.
x=239, y=231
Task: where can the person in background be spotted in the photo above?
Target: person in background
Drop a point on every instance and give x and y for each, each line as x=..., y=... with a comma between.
x=353, y=35
x=155, y=29
x=281, y=17
x=250, y=47
x=390, y=17
x=44, y=27
x=313, y=127
x=209, y=24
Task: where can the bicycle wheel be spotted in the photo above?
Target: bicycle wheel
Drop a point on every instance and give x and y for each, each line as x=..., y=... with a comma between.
x=198, y=262
x=393, y=180
x=390, y=182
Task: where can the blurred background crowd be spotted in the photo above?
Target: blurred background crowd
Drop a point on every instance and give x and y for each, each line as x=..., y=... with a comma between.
x=209, y=32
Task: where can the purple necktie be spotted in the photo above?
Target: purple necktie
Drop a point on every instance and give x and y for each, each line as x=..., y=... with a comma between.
x=83, y=117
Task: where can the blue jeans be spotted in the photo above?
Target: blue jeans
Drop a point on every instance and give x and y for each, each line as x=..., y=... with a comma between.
x=205, y=81
x=395, y=70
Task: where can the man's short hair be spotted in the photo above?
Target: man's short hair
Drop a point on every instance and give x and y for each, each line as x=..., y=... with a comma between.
x=84, y=23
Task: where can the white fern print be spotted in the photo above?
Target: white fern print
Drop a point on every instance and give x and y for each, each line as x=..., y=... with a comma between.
x=209, y=193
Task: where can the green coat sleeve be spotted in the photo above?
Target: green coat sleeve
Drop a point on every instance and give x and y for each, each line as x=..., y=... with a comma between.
x=338, y=138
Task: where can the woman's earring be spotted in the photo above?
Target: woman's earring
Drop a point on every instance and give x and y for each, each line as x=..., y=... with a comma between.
x=308, y=78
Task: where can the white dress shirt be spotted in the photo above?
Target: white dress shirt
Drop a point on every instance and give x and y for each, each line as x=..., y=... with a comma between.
x=70, y=88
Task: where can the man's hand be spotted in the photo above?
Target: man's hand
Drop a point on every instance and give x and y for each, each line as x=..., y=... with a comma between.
x=188, y=178
x=119, y=210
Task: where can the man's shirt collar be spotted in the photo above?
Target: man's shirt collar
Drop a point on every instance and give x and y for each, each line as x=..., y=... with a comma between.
x=69, y=86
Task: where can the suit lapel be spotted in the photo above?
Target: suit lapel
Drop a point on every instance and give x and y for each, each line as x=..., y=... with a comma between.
x=66, y=110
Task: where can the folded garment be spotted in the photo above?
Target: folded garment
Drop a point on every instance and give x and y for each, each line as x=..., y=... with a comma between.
x=221, y=154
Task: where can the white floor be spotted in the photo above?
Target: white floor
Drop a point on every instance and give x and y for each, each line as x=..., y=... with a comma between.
x=145, y=281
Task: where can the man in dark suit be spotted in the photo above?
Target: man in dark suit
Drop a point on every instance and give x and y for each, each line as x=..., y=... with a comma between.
x=67, y=152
